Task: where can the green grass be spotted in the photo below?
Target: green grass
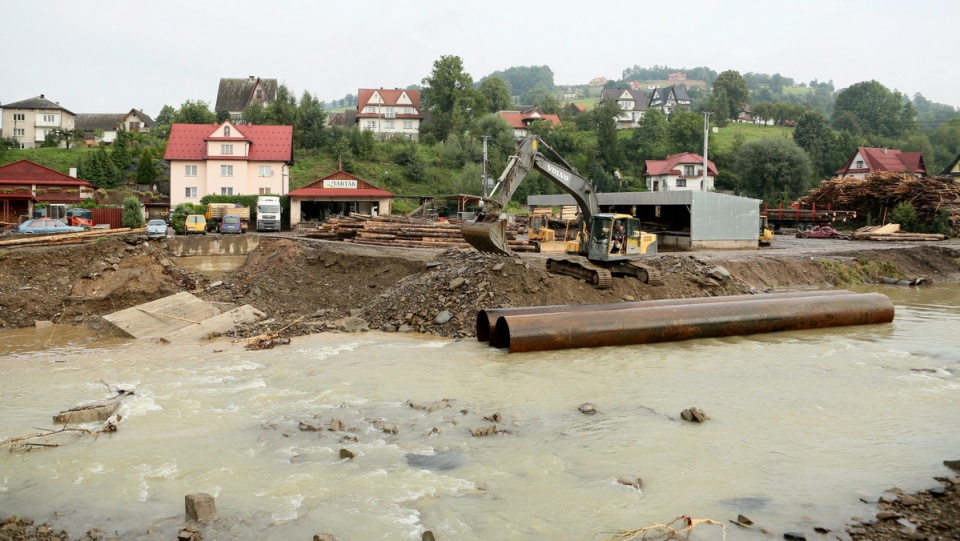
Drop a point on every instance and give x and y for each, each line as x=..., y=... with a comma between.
x=860, y=271
x=59, y=159
x=725, y=137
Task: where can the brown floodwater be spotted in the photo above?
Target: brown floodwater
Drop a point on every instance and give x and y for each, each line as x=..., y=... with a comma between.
x=802, y=425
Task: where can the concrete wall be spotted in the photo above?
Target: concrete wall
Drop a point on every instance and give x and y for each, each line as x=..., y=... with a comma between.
x=183, y=246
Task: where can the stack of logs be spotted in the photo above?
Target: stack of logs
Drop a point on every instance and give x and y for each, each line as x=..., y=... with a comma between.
x=880, y=193
x=891, y=232
x=403, y=232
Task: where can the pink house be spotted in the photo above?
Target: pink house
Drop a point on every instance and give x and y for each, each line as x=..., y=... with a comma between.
x=224, y=159
x=520, y=121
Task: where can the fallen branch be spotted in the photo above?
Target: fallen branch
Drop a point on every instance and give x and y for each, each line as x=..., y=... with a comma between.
x=268, y=340
x=666, y=531
x=21, y=443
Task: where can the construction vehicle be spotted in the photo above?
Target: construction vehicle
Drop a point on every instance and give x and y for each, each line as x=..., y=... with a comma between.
x=766, y=235
x=599, y=255
x=217, y=211
x=80, y=217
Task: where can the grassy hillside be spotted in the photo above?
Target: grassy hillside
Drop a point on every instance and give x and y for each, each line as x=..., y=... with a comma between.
x=725, y=137
x=59, y=159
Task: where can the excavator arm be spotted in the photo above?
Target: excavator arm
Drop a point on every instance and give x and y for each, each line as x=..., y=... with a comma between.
x=488, y=232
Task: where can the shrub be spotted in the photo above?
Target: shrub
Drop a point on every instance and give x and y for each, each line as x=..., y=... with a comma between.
x=132, y=215
x=906, y=216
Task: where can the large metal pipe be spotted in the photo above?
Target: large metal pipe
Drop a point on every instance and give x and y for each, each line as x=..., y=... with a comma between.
x=666, y=323
x=487, y=318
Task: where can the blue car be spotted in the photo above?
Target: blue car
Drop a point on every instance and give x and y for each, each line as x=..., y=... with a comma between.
x=230, y=224
x=47, y=226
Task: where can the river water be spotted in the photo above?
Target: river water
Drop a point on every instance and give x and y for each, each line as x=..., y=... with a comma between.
x=802, y=425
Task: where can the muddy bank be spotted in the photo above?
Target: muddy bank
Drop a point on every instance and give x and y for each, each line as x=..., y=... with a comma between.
x=335, y=286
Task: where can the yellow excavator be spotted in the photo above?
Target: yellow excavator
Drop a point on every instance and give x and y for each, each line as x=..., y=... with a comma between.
x=607, y=244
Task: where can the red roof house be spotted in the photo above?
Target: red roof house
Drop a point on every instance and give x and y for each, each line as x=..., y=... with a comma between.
x=23, y=184
x=225, y=159
x=871, y=160
x=520, y=121
x=679, y=172
x=389, y=113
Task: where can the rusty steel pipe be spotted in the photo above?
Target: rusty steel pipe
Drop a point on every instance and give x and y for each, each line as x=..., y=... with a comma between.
x=487, y=318
x=667, y=323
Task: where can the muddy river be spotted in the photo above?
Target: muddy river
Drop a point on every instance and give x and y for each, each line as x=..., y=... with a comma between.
x=802, y=425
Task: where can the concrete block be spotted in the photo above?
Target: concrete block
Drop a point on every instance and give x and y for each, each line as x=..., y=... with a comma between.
x=200, y=505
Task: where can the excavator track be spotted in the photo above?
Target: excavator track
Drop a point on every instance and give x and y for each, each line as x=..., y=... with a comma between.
x=599, y=277
x=647, y=274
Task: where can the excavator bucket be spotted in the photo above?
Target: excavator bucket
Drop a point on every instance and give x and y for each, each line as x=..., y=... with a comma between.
x=488, y=237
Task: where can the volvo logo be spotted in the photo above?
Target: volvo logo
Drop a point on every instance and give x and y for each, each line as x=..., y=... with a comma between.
x=559, y=173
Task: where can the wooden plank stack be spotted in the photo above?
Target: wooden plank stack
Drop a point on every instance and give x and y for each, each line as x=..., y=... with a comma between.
x=403, y=232
x=891, y=232
x=879, y=194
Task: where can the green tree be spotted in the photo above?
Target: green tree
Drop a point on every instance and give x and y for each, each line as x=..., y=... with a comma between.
x=946, y=144
x=222, y=115
x=651, y=139
x=814, y=136
x=877, y=111
x=283, y=111
x=121, y=150
x=100, y=170
x=906, y=215
x=609, y=153
x=686, y=131
x=546, y=100
x=733, y=88
x=180, y=213
x=773, y=169
x=146, y=167
x=194, y=112
x=166, y=115
x=449, y=95
x=312, y=121
x=497, y=93
x=520, y=79
x=255, y=114
x=132, y=214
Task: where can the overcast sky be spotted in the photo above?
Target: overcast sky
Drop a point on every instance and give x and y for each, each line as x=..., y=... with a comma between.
x=100, y=56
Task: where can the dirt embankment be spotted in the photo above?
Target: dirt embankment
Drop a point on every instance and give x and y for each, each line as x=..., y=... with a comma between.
x=415, y=290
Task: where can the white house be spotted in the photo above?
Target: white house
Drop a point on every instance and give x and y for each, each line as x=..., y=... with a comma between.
x=29, y=121
x=388, y=113
x=679, y=172
x=632, y=102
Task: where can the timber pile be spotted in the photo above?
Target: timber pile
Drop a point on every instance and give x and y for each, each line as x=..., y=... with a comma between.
x=891, y=232
x=403, y=232
x=878, y=195
x=66, y=238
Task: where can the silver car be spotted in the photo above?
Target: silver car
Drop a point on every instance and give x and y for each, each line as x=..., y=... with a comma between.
x=156, y=228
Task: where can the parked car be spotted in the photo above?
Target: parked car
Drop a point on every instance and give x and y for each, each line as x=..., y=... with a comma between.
x=156, y=228
x=47, y=226
x=230, y=224
x=195, y=223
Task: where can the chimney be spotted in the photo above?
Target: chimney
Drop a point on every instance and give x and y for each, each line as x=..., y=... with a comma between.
x=251, y=77
x=73, y=172
x=41, y=96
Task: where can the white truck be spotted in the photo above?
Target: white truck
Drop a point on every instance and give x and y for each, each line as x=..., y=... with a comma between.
x=268, y=213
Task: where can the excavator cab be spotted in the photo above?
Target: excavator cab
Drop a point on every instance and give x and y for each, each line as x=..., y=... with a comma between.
x=608, y=243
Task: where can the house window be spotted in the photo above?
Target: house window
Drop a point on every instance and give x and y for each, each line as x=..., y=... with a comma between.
x=23, y=146
x=388, y=124
x=391, y=113
x=48, y=118
x=681, y=183
x=266, y=171
x=226, y=170
x=226, y=149
x=409, y=111
x=371, y=124
x=226, y=191
x=134, y=126
x=259, y=93
x=18, y=132
x=190, y=171
x=191, y=193
x=688, y=170
x=264, y=191
x=859, y=164
x=226, y=131
x=19, y=116
x=408, y=124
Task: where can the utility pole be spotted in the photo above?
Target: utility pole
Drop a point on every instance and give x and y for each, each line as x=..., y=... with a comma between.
x=706, y=139
x=483, y=181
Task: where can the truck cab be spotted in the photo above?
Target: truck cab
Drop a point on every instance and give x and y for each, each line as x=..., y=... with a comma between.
x=268, y=213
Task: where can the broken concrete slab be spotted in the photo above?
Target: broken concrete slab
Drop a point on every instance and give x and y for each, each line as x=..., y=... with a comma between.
x=180, y=317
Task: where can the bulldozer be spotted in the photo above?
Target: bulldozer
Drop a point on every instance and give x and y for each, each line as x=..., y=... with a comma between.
x=607, y=245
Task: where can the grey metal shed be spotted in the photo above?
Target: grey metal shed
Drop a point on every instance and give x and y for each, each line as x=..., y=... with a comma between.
x=682, y=219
